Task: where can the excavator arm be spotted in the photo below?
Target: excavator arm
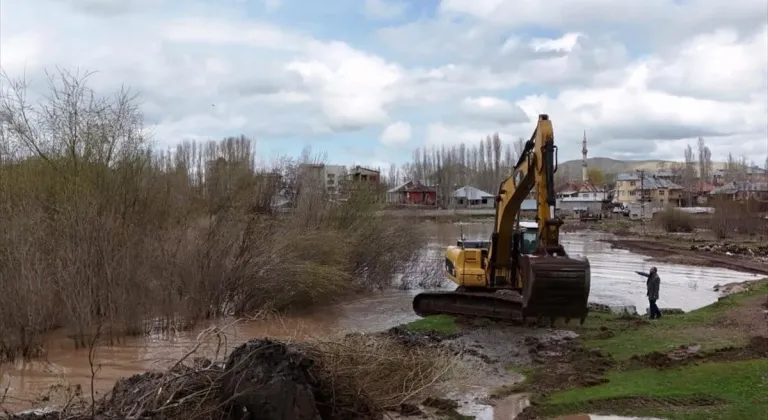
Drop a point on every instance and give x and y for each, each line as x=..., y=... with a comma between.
x=503, y=280
x=534, y=169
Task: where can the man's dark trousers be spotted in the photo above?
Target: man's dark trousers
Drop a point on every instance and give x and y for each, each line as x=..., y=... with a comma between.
x=655, y=312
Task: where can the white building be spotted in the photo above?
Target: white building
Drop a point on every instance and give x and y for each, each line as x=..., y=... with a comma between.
x=471, y=197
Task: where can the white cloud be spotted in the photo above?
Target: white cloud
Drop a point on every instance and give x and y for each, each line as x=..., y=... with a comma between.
x=272, y=5
x=461, y=75
x=396, y=133
x=384, y=9
x=565, y=43
x=442, y=134
x=494, y=110
x=702, y=64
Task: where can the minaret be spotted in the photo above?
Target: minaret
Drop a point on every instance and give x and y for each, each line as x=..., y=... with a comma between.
x=584, y=174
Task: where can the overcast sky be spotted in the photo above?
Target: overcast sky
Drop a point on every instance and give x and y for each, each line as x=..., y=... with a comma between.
x=368, y=81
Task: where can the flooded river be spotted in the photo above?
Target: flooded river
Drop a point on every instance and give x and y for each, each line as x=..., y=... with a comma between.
x=613, y=282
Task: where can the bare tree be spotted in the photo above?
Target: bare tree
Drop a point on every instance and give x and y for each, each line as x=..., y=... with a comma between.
x=689, y=174
x=736, y=169
x=705, y=161
x=519, y=147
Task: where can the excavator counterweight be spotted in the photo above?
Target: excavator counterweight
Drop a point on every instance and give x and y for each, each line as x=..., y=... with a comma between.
x=523, y=271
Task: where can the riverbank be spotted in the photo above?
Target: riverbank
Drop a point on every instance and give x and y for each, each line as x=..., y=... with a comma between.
x=710, y=363
x=705, y=364
x=751, y=257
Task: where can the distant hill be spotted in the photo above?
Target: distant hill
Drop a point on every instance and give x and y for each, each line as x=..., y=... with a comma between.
x=571, y=169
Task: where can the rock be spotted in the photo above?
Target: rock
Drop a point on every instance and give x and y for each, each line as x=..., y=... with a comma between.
x=671, y=311
x=624, y=310
x=598, y=307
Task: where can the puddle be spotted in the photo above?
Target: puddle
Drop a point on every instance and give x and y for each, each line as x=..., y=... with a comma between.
x=507, y=408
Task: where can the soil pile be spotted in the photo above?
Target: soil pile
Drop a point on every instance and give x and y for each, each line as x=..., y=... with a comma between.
x=569, y=364
x=264, y=378
x=735, y=249
x=757, y=348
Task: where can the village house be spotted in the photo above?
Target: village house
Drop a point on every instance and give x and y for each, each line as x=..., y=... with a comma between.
x=472, y=198
x=700, y=192
x=753, y=174
x=582, y=196
x=741, y=191
x=659, y=191
x=412, y=192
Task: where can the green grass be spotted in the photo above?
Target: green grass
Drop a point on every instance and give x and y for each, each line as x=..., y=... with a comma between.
x=744, y=385
x=443, y=324
x=638, y=336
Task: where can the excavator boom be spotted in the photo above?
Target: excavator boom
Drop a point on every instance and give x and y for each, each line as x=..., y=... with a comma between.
x=523, y=271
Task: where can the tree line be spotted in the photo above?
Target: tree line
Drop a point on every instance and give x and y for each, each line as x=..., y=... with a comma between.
x=485, y=163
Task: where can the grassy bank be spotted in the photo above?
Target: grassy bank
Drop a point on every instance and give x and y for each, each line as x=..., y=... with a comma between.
x=711, y=363
x=660, y=373
x=101, y=233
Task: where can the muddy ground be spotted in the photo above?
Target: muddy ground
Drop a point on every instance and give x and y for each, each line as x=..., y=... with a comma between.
x=283, y=382
x=679, y=254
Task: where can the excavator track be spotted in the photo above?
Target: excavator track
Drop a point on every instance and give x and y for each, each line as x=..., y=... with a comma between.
x=499, y=305
x=553, y=287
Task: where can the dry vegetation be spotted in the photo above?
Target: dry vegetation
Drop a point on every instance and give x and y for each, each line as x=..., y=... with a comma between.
x=357, y=377
x=731, y=218
x=98, y=230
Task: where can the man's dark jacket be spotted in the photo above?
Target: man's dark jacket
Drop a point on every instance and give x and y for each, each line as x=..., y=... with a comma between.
x=652, y=284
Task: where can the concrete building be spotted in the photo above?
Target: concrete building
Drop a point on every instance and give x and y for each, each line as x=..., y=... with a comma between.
x=472, y=198
x=329, y=177
x=359, y=173
x=658, y=191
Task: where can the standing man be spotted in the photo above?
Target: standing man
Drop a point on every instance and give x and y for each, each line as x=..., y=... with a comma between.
x=652, y=285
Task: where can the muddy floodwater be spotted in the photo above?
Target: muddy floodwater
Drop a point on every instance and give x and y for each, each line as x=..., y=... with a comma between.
x=613, y=282
x=599, y=417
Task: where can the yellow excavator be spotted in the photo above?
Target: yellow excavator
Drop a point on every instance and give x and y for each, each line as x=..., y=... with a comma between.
x=523, y=271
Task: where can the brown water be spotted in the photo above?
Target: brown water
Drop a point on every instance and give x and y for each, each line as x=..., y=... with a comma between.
x=613, y=282
x=602, y=417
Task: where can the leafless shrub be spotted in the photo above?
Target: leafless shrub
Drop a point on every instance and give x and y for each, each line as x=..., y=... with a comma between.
x=357, y=377
x=674, y=220
x=735, y=217
x=97, y=228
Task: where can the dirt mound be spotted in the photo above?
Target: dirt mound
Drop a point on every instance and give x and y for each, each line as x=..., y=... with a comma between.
x=629, y=404
x=276, y=381
x=410, y=338
x=679, y=356
x=569, y=365
x=757, y=348
x=263, y=377
x=730, y=248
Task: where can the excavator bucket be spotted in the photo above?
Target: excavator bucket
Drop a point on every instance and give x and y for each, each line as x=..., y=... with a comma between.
x=555, y=287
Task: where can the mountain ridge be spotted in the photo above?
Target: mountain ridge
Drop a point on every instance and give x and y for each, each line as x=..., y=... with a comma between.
x=571, y=169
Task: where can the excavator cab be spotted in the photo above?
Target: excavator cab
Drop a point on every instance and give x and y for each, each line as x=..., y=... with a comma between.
x=527, y=237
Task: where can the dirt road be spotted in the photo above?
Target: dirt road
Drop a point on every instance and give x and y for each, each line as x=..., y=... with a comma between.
x=668, y=253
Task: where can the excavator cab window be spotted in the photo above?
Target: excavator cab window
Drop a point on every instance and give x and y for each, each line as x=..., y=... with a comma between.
x=530, y=240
